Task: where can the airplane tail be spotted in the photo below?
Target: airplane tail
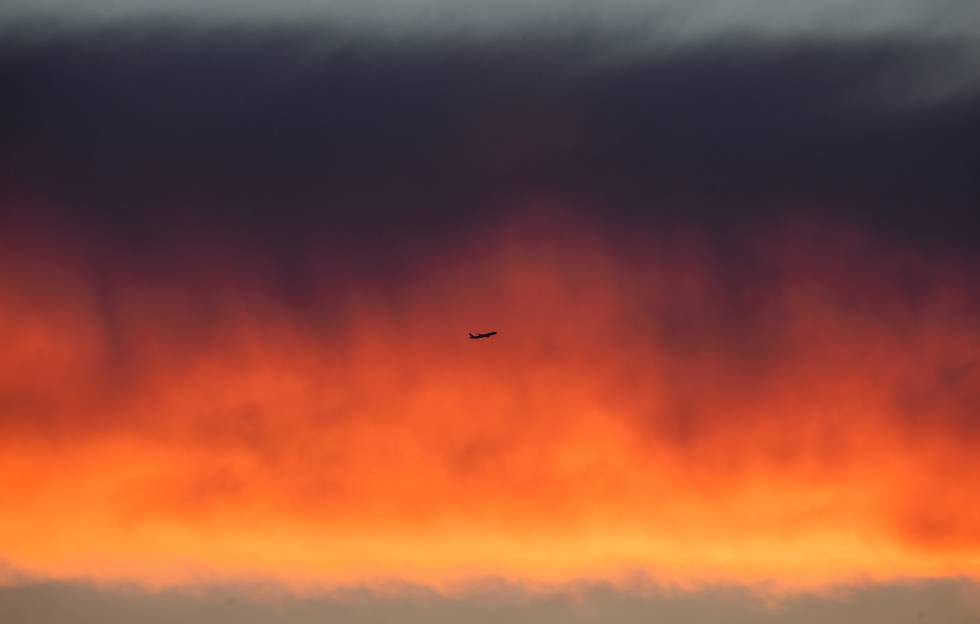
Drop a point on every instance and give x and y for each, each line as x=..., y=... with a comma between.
x=472, y=336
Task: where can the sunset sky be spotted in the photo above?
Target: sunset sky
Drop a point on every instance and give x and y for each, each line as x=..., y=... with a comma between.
x=731, y=251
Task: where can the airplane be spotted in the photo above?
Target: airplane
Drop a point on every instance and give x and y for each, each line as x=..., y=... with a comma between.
x=486, y=335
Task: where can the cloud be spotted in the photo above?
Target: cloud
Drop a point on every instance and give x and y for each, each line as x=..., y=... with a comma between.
x=787, y=406
x=912, y=602
x=667, y=21
x=130, y=130
x=733, y=284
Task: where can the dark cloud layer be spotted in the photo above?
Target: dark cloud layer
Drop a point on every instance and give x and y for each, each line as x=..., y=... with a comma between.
x=308, y=137
x=937, y=601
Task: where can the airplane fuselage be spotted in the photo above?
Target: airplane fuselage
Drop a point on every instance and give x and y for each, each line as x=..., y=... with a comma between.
x=486, y=335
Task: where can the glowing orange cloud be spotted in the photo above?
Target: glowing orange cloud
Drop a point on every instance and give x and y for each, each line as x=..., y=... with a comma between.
x=802, y=408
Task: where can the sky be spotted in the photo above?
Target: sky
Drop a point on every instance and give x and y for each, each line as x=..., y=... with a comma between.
x=730, y=251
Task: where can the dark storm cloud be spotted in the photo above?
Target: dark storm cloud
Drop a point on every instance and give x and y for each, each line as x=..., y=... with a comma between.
x=308, y=136
x=146, y=153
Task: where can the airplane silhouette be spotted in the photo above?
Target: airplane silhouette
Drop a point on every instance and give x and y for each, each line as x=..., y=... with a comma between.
x=486, y=335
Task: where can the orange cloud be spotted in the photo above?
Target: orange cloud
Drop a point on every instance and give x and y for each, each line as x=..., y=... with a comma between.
x=799, y=406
